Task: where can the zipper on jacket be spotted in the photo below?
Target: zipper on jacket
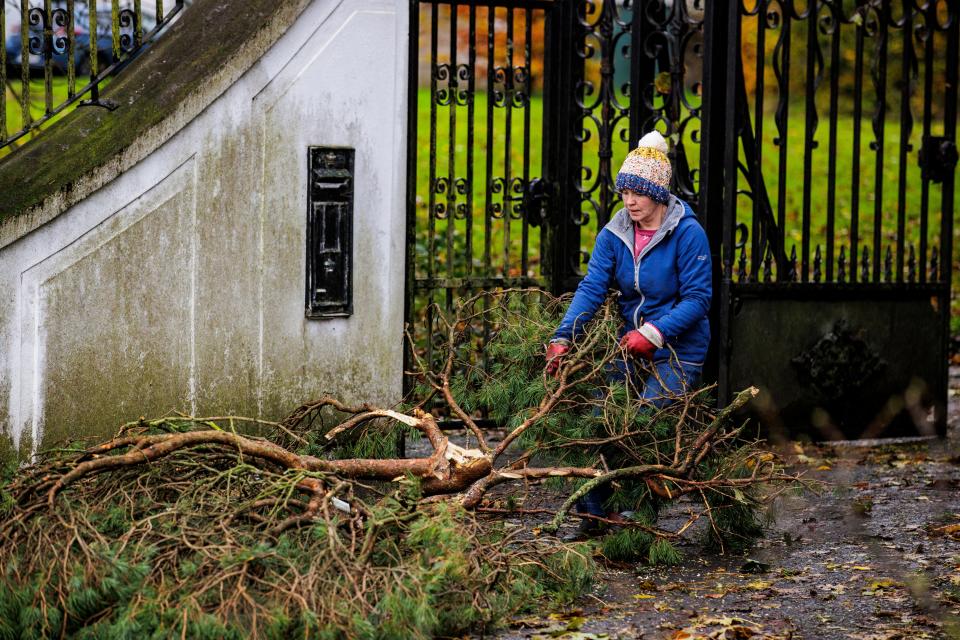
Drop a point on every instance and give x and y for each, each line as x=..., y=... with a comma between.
x=637, y=259
x=650, y=245
x=636, y=310
x=636, y=273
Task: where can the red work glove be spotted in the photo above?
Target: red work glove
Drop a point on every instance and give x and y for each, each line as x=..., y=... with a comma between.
x=638, y=345
x=555, y=351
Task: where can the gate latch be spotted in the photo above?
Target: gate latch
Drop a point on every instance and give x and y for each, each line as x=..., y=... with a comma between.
x=536, y=201
x=938, y=157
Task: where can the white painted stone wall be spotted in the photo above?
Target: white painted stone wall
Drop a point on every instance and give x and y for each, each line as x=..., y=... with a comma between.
x=179, y=286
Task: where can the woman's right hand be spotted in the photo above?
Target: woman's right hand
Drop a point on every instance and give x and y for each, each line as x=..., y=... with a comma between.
x=555, y=351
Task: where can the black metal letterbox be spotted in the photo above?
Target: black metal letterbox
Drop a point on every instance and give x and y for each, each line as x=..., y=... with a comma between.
x=330, y=233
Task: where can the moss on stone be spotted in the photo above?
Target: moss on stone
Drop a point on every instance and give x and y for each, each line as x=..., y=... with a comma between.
x=175, y=68
x=8, y=453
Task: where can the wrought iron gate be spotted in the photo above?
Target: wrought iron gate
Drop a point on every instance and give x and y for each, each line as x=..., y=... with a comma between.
x=474, y=69
x=519, y=114
x=834, y=211
x=816, y=262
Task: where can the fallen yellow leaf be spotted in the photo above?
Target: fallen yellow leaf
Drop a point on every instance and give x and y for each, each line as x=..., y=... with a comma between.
x=568, y=615
x=643, y=596
x=575, y=623
x=882, y=583
x=879, y=587
x=759, y=585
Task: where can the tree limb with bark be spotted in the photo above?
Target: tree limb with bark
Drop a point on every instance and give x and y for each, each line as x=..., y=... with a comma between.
x=177, y=493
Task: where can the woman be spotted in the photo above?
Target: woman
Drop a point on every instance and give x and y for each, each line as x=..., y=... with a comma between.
x=656, y=254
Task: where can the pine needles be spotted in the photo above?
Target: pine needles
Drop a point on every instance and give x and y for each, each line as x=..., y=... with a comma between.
x=594, y=417
x=187, y=527
x=189, y=546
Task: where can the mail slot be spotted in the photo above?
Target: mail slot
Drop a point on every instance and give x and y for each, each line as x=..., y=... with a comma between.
x=329, y=290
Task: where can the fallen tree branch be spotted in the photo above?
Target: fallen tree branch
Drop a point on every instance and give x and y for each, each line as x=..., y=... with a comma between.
x=472, y=496
x=642, y=471
x=295, y=485
x=622, y=523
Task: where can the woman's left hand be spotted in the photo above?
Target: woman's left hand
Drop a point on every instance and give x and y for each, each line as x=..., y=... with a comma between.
x=638, y=345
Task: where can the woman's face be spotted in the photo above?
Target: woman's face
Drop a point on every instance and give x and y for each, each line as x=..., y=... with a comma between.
x=642, y=209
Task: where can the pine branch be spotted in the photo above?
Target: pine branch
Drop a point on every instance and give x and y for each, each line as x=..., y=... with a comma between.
x=643, y=471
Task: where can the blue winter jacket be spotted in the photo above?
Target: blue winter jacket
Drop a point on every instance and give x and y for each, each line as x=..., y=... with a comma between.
x=667, y=285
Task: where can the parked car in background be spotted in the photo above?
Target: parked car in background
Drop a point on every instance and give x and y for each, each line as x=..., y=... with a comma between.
x=82, y=50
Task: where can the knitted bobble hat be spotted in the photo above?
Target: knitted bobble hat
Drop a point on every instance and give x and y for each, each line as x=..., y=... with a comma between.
x=646, y=170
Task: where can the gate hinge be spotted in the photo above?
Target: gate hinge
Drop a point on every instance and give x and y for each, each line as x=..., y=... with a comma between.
x=536, y=201
x=937, y=158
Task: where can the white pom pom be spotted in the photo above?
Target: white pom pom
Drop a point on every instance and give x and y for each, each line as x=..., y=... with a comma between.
x=654, y=140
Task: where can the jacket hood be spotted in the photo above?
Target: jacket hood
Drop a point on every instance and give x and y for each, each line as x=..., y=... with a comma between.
x=622, y=226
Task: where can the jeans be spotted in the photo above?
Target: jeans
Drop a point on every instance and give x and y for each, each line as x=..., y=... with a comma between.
x=672, y=378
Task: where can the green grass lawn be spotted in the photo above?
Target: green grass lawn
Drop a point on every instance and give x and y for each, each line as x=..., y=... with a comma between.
x=505, y=237
x=14, y=111
x=874, y=212
x=496, y=243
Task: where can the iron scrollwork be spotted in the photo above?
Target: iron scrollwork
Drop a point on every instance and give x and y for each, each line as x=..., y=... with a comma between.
x=453, y=79
x=37, y=20
x=673, y=40
x=512, y=198
x=509, y=87
x=521, y=77
x=444, y=95
x=51, y=38
x=497, y=188
x=450, y=199
x=517, y=189
x=128, y=30
x=603, y=110
x=441, y=186
x=461, y=188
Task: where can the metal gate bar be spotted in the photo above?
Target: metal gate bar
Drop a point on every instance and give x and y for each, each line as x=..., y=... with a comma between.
x=898, y=260
x=873, y=31
x=784, y=118
x=467, y=76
